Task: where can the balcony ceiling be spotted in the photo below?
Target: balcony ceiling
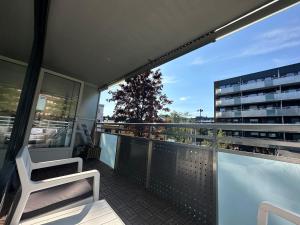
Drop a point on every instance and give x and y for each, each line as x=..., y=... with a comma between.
x=104, y=41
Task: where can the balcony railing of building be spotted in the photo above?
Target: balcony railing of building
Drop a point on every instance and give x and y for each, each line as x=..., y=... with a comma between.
x=255, y=98
x=197, y=168
x=271, y=111
x=41, y=132
x=289, y=78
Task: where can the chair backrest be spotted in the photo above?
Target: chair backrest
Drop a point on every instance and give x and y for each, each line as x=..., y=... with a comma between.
x=24, y=165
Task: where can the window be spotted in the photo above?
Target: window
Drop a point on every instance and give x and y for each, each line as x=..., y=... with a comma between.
x=11, y=81
x=55, y=112
x=262, y=134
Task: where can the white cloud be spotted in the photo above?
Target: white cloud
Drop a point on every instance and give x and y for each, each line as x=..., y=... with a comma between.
x=267, y=42
x=198, y=61
x=273, y=40
x=169, y=80
x=184, y=98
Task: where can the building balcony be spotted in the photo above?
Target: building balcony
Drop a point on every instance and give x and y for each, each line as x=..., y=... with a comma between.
x=286, y=111
x=173, y=168
x=189, y=173
x=229, y=114
x=227, y=90
x=290, y=95
x=259, y=84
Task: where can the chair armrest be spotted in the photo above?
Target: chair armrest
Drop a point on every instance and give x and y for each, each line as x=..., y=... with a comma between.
x=266, y=208
x=58, y=162
x=53, y=182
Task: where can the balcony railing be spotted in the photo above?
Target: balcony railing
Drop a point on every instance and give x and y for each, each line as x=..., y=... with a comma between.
x=288, y=79
x=289, y=95
x=285, y=111
x=195, y=167
x=39, y=126
x=207, y=133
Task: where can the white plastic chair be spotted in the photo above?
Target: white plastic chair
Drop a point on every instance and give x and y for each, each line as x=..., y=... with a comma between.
x=266, y=207
x=25, y=167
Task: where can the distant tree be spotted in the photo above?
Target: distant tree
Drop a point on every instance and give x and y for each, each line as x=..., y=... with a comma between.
x=177, y=117
x=140, y=98
x=179, y=134
x=220, y=140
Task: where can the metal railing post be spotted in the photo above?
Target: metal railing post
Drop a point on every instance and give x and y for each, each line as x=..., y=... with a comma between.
x=149, y=159
x=215, y=139
x=215, y=174
x=117, y=153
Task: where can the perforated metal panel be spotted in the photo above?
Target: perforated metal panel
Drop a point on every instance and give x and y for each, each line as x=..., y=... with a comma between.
x=183, y=175
x=132, y=161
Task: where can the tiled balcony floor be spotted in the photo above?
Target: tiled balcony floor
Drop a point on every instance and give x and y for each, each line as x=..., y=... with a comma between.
x=131, y=202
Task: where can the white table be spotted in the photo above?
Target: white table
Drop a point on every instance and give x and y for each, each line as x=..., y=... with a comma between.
x=95, y=213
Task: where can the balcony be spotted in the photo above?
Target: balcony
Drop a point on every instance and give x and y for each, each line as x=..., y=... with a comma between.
x=179, y=171
x=229, y=114
x=259, y=84
x=286, y=111
x=288, y=95
x=227, y=90
x=170, y=174
x=189, y=174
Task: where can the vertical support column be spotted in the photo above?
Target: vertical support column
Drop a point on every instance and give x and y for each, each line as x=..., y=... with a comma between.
x=8, y=173
x=215, y=175
x=195, y=135
x=215, y=139
x=149, y=159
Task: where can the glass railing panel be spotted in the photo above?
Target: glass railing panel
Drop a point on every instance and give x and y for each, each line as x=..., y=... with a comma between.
x=290, y=95
x=244, y=182
x=108, y=144
x=226, y=102
x=230, y=89
x=254, y=112
x=291, y=111
x=253, y=85
x=287, y=80
x=250, y=99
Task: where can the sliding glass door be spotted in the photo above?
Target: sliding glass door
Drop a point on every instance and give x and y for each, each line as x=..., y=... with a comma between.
x=55, y=114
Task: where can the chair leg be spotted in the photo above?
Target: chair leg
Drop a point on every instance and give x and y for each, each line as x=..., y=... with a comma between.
x=19, y=209
x=96, y=187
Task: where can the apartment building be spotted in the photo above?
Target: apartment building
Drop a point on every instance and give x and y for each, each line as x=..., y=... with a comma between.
x=270, y=96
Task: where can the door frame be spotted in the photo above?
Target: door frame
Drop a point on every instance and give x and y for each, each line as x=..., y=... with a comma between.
x=45, y=154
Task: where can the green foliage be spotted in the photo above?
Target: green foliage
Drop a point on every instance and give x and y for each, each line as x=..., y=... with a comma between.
x=140, y=98
x=222, y=142
x=177, y=117
x=179, y=134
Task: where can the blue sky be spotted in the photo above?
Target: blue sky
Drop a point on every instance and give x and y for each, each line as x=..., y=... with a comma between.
x=189, y=79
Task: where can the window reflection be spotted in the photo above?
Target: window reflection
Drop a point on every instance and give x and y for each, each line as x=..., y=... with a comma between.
x=11, y=81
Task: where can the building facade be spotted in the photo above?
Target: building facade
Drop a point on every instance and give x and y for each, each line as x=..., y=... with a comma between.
x=270, y=96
